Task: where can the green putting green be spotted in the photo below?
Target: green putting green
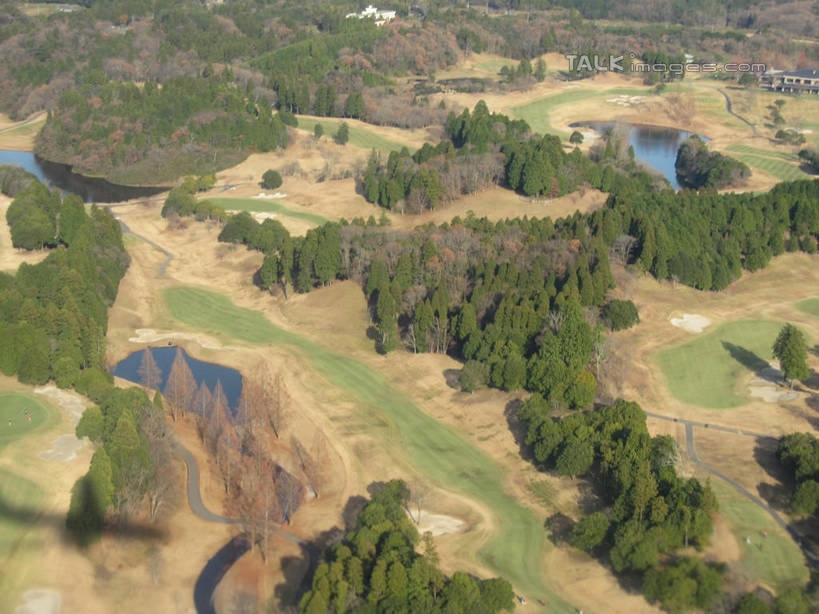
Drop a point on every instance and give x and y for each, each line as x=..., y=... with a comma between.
x=809, y=306
x=517, y=548
x=267, y=206
x=706, y=371
x=771, y=559
x=15, y=409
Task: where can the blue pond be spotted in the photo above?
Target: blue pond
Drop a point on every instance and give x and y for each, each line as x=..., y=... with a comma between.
x=90, y=189
x=207, y=372
x=653, y=145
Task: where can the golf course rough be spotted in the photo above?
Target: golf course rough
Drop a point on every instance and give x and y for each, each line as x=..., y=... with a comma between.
x=516, y=550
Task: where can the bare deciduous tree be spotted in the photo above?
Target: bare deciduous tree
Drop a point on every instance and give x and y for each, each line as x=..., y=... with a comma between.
x=149, y=373
x=181, y=386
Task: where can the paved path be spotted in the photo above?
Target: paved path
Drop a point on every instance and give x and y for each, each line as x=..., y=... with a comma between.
x=168, y=255
x=219, y=564
x=692, y=454
x=731, y=111
x=30, y=120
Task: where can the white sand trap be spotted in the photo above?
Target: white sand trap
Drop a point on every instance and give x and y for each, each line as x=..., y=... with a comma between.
x=691, y=322
x=570, y=87
x=805, y=131
x=64, y=448
x=149, y=335
x=765, y=387
x=275, y=195
x=437, y=524
x=261, y=216
x=40, y=601
x=71, y=402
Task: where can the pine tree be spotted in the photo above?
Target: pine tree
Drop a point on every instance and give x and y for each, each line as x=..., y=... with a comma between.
x=789, y=348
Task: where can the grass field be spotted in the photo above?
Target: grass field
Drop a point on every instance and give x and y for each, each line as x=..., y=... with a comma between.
x=267, y=206
x=773, y=560
x=13, y=423
x=809, y=306
x=517, y=548
x=360, y=137
x=707, y=370
x=781, y=165
x=536, y=113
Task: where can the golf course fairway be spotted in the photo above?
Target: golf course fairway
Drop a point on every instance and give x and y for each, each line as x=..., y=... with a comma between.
x=517, y=547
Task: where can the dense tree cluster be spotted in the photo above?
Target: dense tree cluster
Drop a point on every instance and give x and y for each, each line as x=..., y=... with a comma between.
x=506, y=294
x=484, y=149
x=650, y=511
x=375, y=568
x=699, y=168
x=798, y=454
x=150, y=134
x=54, y=313
x=14, y=179
x=705, y=240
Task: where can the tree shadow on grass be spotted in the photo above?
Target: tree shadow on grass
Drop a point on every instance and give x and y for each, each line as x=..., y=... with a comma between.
x=518, y=428
x=746, y=358
x=24, y=515
x=777, y=493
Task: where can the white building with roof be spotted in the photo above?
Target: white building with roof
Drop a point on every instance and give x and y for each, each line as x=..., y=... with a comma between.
x=381, y=17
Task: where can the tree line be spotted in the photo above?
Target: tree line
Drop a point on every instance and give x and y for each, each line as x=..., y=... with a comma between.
x=375, y=568
x=52, y=327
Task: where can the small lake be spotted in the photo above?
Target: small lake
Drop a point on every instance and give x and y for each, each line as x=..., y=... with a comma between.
x=90, y=189
x=654, y=145
x=208, y=372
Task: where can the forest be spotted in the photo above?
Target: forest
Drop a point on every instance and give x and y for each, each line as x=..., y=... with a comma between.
x=376, y=567
x=523, y=302
x=154, y=134
x=650, y=512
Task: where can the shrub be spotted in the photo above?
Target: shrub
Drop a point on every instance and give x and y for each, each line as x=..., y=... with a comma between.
x=343, y=134
x=271, y=179
x=620, y=315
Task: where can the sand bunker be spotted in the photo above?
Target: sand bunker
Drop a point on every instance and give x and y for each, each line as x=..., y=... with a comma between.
x=40, y=601
x=624, y=100
x=276, y=195
x=437, y=524
x=691, y=322
x=149, y=335
x=767, y=385
x=64, y=448
x=72, y=403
